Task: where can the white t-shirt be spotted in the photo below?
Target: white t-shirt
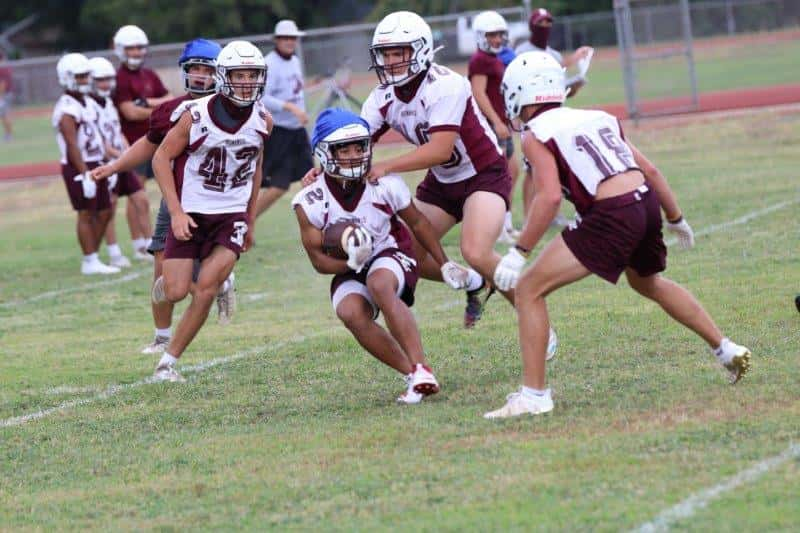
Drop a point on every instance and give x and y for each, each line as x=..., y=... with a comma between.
x=215, y=173
x=443, y=102
x=86, y=116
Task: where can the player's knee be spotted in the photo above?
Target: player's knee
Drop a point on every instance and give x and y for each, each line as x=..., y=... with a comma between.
x=352, y=316
x=175, y=292
x=382, y=289
x=476, y=255
x=646, y=286
x=528, y=288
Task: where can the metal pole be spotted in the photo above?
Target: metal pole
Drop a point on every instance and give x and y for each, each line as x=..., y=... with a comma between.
x=687, y=37
x=622, y=16
x=731, y=20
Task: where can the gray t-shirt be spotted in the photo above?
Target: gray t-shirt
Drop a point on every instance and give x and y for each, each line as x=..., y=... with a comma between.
x=284, y=83
x=527, y=46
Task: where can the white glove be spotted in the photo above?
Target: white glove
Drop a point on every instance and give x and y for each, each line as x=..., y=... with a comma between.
x=683, y=231
x=359, y=254
x=508, y=269
x=88, y=184
x=454, y=275
x=112, y=182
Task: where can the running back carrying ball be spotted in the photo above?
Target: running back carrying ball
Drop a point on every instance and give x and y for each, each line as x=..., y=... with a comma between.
x=335, y=236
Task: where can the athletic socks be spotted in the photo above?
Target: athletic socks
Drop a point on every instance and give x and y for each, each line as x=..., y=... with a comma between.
x=164, y=333
x=529, y=392
x=114, y=250
x=474, y=280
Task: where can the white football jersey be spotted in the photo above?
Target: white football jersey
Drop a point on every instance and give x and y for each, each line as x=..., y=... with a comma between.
x=443, y=102
x=376, y=210
x=589, y=147
x=85, y=114
x=215, y=173
x=108, y=122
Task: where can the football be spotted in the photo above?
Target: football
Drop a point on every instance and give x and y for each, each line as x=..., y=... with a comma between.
x=334, y=238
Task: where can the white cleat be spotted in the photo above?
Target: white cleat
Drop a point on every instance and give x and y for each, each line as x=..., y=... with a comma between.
x=409, y=397
x=157, y=294
x=142, y=255
x=518, y=404
x=226, y=301
x=423, y=381
x=552, y=345
x=158, y=345
x=119, y=261
x=97, y=267
x=734, y=358
x=167, y=373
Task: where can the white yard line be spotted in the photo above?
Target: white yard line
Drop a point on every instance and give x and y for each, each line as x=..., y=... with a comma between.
x=114, y=389
x=88, y=286
x=699, y=500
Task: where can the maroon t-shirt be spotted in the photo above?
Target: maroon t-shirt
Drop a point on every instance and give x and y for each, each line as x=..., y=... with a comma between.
x=492, y=67
x=5, y=76
x=132, y=85
x=160, y=123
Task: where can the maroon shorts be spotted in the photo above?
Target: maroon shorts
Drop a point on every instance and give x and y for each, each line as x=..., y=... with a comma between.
x=127, y=184
x=451, y=196
x=100, y=202
x=619, y=232
x=402, y=264
x=225, y=229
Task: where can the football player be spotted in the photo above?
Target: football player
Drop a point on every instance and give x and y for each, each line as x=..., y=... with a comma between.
x=81, y=146
x=485, y=73
x=618, y=194
x=205, y=167
x=126, y=183
x=380, y=272
x=198, y=67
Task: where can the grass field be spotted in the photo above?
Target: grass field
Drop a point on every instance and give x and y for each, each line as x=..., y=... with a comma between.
x=296, y=428
x=737, y=66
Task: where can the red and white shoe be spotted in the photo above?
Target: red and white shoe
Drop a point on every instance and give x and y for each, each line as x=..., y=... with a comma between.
x=409, y=397
x=423, y=381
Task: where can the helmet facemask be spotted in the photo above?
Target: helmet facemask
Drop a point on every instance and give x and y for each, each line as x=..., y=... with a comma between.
x=104, y=93
x=353, y=168
x=485, y=45
x=412, y=66
x=253, y=86
x=198, y=84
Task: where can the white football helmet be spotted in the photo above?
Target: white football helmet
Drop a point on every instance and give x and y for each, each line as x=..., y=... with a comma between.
x=129, y=36
x=102, y=69
x=70, y=66
x=402, y=29
x=532, y=78
x=240, y=55
x=489, y=22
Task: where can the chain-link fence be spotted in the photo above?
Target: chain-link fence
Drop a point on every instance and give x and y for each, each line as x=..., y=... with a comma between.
x=325, y=48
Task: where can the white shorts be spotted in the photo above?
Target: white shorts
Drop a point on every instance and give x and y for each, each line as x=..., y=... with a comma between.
x=352, y=286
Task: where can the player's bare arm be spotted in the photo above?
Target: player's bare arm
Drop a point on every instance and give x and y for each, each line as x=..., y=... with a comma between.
x=139, y=152
x=133, y=112
x=155, y=102
x=311, y=237
x=423, y=231
x=547, y=200
x=430, y=154
x=478, y=83
x=654, y=177
x=252, y=204
x=69, y=129
x=173, y=145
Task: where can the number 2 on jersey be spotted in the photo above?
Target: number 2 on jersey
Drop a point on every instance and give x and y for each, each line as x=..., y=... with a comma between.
x=213, y=167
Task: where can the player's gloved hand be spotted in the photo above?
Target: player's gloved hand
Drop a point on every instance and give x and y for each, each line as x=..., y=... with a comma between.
x=683, y=231
x=508, y=269
x=88, y=184
x=454, y=275
x=311, y=176
x=359, y=249
x=112, y=182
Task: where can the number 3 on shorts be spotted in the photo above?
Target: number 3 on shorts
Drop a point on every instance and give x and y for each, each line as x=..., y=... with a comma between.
x=239, y=231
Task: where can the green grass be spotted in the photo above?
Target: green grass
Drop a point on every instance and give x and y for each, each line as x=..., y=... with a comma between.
x=718, y=68
x=301, y=432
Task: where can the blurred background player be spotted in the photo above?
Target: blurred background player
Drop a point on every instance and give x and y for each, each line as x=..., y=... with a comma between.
x=540, y=24
x=380, y=272
x=125, y=183
x=198, y=67
x=81, y=146
x=139, y=91
x=618, y=194
x=216, y=146
x=288, y=152
x=485, y=73
x=6, y=85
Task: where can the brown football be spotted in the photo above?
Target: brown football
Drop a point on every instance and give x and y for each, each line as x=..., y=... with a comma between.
x=334, y=238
